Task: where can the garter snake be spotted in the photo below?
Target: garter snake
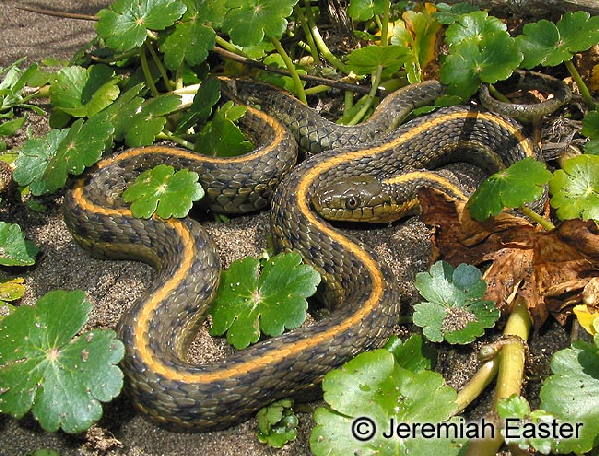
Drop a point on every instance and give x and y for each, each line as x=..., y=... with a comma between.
x=360, y=290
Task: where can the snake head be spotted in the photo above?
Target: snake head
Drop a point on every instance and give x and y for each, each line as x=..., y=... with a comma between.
x=355, y=199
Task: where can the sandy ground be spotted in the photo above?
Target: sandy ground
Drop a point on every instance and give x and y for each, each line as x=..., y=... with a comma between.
x=113, y=285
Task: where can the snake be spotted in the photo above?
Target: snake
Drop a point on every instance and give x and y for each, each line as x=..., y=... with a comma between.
x=358, y=288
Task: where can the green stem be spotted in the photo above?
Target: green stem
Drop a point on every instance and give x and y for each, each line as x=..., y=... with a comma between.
x=369, y=99
x=225, y=44
x=498, y=95
x=161, y=69
x=584, y=90
x=546, y=224
x=509, y=378
x=476, y=385
x=147, y=73
x=317, y=89
x=299, y=88
x=513, y=355
x=320, y=44
x=166, y=135
x=304, y=22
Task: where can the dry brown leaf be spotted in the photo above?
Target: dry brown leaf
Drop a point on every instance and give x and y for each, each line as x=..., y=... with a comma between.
x=551, y=269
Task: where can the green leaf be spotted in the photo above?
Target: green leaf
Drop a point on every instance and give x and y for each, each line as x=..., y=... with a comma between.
x=12, y=87
x=472, y=62
x=193, y=35
x=221, y=137
x=363, y=10
x=33, y=159
x=513, y=187
x=413, y=354
x=473, y=27
x=417, y=33
x=366, y=60
x=83, y=93
x=126, y=24
x=201, y=108
x=523, y=426
x=455, y=310
x=82, y=146
x=572, y=394
x=163, y=191
x=11, y=126
x=448, y=14
x=590, y=129
x=14, y=249
x=59, y=379
x=11, y=290
x=121, y=112
x=548, y=44
x=575, y=188
x=277, y=423
x=249, y=300
x=145, y=124
x=249, y=21
x=370, y=393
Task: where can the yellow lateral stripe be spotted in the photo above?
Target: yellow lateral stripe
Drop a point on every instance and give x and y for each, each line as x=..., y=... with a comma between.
x=278, y=128
x=141, y=341
x=415, y=175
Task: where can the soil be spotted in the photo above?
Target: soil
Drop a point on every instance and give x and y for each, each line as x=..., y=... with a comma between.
x=113, y=285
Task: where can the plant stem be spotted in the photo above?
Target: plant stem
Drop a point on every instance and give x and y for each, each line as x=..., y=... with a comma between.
x=147, y=73
x=167, y=135
x=226, y=45
x=320, y=44
x=477, y=384
x=511, y=371
x=161, y=69
x=369, y=98
x=299, y=88
x=546, y=224
x=304, y=21
x=513, y=355
x=584, y=90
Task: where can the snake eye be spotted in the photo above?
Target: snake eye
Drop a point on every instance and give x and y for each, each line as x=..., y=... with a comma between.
x=352, y=203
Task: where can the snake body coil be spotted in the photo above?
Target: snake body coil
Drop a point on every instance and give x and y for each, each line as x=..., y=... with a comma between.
x=159, y=327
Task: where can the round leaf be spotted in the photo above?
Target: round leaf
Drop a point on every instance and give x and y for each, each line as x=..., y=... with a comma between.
x=575, y=188
x=513, y=187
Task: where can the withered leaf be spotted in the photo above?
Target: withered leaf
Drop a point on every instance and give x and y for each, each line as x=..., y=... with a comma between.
x=550, y=269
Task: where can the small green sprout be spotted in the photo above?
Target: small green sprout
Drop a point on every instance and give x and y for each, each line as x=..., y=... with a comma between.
x=455, y=310
x=43, y=369
x=529, y=422
x=251, y=299
x=277, y=423
x=164, y=191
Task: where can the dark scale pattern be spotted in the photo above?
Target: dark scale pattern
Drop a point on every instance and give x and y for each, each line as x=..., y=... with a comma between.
x=181, y=396
x=316, y=134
